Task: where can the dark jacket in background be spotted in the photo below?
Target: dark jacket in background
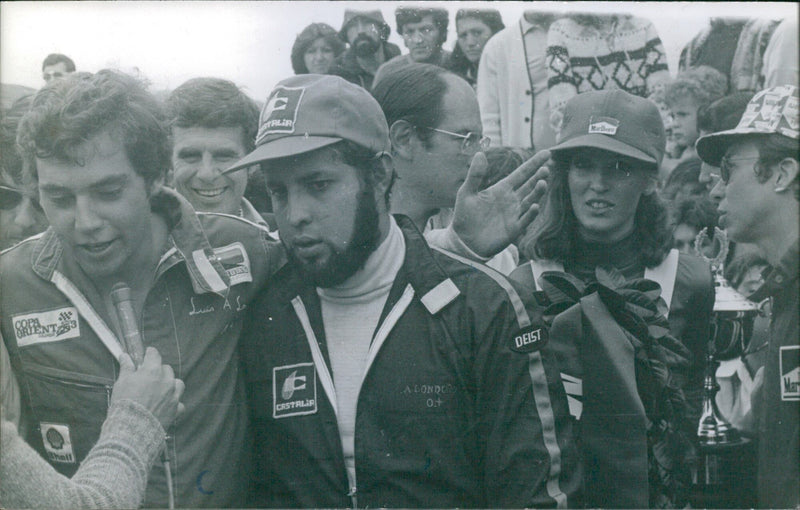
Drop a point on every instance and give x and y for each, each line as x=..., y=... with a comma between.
x=346, y=66
x=778, y=405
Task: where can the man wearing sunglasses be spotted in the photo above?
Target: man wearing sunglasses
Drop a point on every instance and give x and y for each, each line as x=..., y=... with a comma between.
x=20, y=214
x=759, y=203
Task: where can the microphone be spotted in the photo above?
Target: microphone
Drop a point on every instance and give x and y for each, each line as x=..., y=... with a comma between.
x=132, y=338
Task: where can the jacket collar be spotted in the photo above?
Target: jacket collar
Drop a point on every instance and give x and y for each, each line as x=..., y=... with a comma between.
x=187, y=242
x=420, y=269
x=779, y=277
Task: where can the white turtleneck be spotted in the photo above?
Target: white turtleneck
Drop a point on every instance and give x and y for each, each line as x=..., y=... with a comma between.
x=350, y=314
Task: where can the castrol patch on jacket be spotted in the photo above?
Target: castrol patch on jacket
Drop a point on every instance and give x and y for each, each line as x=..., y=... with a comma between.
x=294, y=390
x=529, y=339
x=790, y=372
x=57, y=442
x=236, y=262
x=49, y=326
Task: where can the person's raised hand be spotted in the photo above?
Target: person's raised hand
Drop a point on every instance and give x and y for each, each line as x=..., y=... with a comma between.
x=152, y=385
x=488, y=220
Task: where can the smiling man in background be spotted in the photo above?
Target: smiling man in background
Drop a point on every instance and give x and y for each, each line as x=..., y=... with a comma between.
x=213, y=124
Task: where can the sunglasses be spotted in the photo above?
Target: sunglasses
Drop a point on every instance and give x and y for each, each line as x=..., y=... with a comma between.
x=12, y=197
x=725, y=166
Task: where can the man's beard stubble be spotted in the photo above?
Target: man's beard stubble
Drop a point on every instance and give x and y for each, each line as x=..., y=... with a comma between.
x=343, y=264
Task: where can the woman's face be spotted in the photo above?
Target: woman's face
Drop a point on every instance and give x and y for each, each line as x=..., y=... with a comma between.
x=472, y=36
x=604, y=189
x=319, y=57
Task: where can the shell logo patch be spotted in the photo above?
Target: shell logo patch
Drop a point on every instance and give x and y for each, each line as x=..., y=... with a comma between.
x=57, y=442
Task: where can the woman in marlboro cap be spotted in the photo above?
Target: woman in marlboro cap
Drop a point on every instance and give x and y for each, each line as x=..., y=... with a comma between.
x=602, y=211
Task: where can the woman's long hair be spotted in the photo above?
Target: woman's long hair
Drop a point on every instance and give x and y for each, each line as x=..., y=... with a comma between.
x=554, y=234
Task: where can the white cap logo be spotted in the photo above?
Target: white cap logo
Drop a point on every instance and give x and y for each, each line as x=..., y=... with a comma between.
x=603, y=125
x=280, y=113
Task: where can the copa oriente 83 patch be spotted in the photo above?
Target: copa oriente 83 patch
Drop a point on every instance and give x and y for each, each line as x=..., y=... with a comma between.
x=48, y=326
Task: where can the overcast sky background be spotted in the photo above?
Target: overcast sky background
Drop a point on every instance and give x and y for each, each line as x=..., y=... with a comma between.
x=250, y=42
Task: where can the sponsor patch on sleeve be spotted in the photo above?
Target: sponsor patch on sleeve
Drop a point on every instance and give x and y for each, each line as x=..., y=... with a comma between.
x=529, y=339
x=294, y=390
x=236, y=262
x=50, y=326
x=790, y=372
x=57, y=442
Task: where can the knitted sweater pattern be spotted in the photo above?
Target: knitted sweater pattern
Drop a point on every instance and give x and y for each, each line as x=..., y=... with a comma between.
x=630, y=56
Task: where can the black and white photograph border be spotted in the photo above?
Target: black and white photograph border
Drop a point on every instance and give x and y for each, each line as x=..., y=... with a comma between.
x=250, y=42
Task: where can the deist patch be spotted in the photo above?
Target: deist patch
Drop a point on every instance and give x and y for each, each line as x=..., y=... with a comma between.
x=236, y=262
x=790, y=372
x=49, y=326
x=294, y=390
x=529, y=339
x=57, y=442
x=280, y=113
x=603, y=125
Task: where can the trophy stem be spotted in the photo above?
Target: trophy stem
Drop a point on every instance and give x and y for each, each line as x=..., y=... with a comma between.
x=713, y=428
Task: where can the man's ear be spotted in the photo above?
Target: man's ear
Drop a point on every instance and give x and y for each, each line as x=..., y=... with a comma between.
x=786, y=174
x=383, y=173
x=403, y=134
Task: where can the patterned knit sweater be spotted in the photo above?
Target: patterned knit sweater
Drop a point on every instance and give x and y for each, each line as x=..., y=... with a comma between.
x=113, y=475
x=625, y=54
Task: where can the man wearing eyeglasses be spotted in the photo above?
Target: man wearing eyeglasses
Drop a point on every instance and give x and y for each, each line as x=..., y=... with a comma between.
x=759, y=203
x=435, y=129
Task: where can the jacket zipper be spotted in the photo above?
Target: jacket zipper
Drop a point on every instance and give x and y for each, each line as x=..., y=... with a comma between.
x=97, y=387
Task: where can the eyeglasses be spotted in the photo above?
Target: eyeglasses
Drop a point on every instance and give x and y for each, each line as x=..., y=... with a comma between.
x=725, y=166
x=584, y=165
x=471, y=142
x=9, y=198
x=12, y=197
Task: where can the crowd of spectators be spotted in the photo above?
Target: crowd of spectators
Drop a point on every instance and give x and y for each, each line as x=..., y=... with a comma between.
x=570, y=184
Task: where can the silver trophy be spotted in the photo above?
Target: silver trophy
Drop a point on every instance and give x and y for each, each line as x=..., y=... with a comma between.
x=718, y=440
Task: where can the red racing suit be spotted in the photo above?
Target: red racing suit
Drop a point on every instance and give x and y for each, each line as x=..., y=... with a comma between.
x=460, y=405
x=64, y=347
